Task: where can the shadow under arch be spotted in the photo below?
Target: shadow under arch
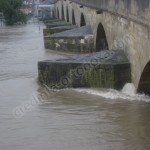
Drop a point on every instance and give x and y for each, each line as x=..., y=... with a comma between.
x=73, y=18
x=101, y=41
x=67, y=14
x=58, y=13
x=144, y=84
x=82, y=21
x=62, y=13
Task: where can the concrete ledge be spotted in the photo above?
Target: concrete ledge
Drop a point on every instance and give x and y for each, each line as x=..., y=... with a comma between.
x=105, y=69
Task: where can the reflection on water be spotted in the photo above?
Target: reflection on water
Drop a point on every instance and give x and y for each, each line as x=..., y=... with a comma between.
x=70, y=119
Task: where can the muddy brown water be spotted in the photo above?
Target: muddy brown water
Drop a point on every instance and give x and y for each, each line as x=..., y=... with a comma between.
x=70, y=119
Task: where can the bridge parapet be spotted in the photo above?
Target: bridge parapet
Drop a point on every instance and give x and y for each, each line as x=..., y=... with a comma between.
x=137, y=10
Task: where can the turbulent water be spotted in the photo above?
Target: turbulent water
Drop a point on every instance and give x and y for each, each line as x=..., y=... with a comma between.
x=33, y=118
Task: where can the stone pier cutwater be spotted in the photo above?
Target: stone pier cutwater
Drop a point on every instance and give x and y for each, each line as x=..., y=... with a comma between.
x=52, y=20
x=57, y=23
x=105, y=69
x=78, y=40
x=53, y=30
x=53, y=23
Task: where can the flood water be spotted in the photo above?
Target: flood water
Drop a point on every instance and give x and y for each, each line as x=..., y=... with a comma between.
x=32, y=118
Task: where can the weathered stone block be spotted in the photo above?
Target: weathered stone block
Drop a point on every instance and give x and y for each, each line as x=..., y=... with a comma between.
x=69, y=45
x=75, y=40
x=46, y=32
x=106, y=69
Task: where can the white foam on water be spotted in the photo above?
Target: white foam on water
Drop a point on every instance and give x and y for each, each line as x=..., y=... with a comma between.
x=127, y=93
x=129, y=89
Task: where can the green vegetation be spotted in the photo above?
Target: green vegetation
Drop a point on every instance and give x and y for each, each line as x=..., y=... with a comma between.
x=11, y=11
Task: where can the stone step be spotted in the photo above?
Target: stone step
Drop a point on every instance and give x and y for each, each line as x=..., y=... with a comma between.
x=75, y=40
x=49, y=31
x=105, y=69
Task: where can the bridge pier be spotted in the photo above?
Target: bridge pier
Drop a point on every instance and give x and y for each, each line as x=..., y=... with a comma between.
x=105, y=69
x=78, y=40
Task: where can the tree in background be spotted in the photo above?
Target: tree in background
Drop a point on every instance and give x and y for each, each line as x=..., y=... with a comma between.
x=11, y=11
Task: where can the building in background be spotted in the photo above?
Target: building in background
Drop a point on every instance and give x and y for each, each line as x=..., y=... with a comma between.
x=27, y=7
x=43, y=8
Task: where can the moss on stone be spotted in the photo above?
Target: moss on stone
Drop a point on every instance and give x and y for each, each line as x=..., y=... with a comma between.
x=46, y=32
x=52, y=75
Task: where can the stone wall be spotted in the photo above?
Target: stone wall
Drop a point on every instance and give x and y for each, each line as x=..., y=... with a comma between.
x=135, y=9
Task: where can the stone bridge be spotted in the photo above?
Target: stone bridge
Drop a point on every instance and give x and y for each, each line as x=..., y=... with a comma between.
x=116, y=24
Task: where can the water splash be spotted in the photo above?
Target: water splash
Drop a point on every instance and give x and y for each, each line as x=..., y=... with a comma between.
x=127, y=93
x=129, y=89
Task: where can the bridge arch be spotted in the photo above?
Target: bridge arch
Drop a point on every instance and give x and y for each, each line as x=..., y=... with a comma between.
x=101, y=40
x=62, y=13
x=144, y=84
x=58, y=16
x=67, y=14
x=82, y=21
x=73, y=18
